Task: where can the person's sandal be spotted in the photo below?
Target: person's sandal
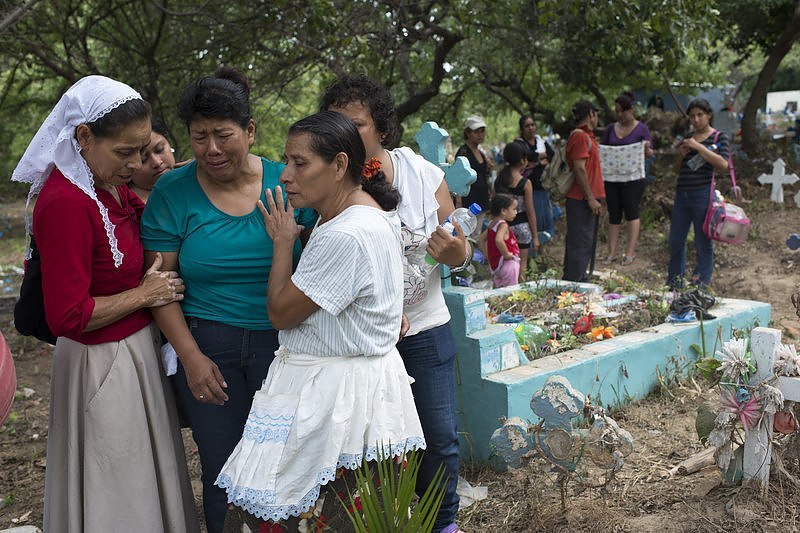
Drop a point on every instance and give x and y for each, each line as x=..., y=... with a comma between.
x=610, y=259
x=628, y=259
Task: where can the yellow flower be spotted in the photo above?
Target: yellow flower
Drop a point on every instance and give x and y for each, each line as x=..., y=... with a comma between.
x=565, y=299
x=520, y=296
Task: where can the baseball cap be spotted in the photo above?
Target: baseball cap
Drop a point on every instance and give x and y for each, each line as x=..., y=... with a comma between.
x=474, y=122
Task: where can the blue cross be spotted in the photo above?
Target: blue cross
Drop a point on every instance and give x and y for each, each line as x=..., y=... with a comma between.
x=460, y=175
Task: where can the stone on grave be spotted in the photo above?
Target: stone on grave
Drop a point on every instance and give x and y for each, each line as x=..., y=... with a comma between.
x=431, y=140
x=778, y=179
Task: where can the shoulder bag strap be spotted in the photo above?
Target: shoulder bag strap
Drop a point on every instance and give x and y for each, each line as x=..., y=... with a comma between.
x=588, y=137
x=714, y=171
x=733, y=174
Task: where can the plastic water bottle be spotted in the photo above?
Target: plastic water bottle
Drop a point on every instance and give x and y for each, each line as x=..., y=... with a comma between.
x=467, y=219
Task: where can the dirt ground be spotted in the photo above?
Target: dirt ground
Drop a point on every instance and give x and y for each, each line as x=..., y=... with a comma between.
x=644, y=497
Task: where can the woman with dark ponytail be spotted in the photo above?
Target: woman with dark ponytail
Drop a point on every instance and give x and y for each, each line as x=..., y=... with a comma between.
x=338, y=392
x=428, y=348
x=203, y=218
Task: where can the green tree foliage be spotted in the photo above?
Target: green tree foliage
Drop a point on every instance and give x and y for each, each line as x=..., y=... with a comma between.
x=441, y=59
x=769, y=26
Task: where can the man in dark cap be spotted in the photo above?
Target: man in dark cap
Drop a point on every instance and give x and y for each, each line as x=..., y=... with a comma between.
x=583, y=200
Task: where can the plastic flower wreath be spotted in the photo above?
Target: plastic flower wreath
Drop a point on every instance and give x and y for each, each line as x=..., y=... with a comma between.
x=371, y=169
x=743, y=399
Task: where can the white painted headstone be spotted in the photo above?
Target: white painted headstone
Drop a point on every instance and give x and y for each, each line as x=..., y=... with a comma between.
x=778, y=179
x=764, y=342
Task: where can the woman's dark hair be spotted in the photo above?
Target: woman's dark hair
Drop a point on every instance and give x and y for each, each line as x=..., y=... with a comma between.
x=701, y=104
x=625, y=100
x=370, y=94
x=332, y=133
x=499, y=202
x=224, y=96
x=159, y=127
x=581, y=110
x=522, y=120
x=112, y=122
x=513, y=154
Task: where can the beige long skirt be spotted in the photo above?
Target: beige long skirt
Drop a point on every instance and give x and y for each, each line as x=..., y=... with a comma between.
x=115, y=458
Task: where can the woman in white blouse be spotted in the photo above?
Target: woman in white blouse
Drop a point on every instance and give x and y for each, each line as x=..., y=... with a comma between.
x=337, y=391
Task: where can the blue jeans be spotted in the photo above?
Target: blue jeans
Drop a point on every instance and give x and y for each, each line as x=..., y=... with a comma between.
x=429, y=357
x=690, y=210
x=243, y=358
x=544, y=211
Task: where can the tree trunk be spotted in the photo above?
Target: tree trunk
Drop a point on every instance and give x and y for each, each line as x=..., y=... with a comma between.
x=782, y=46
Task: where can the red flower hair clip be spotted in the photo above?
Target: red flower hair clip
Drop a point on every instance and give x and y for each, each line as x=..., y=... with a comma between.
x=371, y=169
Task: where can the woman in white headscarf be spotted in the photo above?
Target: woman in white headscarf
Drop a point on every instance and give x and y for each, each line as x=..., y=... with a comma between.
x=115, y=459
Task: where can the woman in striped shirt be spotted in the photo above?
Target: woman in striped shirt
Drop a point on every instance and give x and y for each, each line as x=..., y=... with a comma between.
x=700, y=155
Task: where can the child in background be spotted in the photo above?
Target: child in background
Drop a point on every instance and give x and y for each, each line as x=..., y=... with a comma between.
x=512, y=181
x=501, y=246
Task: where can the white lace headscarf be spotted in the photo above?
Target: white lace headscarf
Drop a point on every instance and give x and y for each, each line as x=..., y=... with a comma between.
x=55, y=144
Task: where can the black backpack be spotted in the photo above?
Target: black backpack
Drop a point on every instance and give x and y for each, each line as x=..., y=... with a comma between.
x=29, y=316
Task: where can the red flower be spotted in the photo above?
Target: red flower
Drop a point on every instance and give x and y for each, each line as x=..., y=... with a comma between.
x=583, y=324
x=321, y=523
x=357, y=501
x=371, y=169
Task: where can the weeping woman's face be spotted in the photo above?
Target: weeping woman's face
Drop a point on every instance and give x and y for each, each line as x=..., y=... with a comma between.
x=114, y=159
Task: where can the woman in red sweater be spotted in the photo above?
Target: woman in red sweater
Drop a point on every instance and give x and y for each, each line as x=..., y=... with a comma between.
x=115, y=459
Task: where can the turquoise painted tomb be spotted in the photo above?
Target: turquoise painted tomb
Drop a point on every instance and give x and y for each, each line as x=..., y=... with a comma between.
x=495, y=380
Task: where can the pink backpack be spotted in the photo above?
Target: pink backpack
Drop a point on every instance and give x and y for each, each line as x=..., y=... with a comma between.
x=725, y=222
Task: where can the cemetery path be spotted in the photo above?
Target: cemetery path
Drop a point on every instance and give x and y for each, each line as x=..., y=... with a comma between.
x=643, y=498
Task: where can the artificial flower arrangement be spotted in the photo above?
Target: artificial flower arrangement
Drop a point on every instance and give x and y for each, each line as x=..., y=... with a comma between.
x=744, y=399
x=548, y=319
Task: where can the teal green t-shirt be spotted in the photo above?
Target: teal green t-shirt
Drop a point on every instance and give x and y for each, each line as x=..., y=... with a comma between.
x=224, y=260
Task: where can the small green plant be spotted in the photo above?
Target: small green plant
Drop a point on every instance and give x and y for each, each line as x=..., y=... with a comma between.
x=651, y=217
x=10, y=424
x=385, y=505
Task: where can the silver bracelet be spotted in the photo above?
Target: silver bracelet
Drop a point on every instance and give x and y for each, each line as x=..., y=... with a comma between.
x=465, y=264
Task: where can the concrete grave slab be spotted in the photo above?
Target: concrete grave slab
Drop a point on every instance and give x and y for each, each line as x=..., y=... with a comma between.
x=611, y=372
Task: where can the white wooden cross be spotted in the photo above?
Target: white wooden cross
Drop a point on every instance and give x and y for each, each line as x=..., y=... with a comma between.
x=778, y=179
x=764, y=342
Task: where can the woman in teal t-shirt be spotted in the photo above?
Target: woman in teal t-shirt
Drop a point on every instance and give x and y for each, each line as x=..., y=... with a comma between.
x=204, y=221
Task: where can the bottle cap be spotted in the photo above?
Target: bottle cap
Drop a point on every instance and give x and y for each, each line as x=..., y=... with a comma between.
x=475, y=209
